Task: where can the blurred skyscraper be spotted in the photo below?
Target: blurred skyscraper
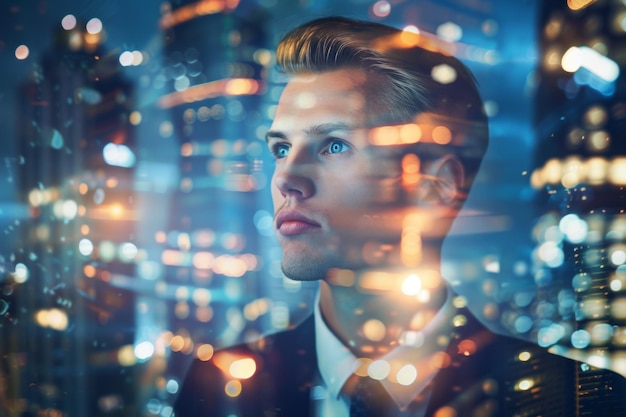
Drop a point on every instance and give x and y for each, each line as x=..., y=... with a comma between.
x=217, y=240
x=71, y=324
x=214, y=65
x=580, y=235
x=77, y=317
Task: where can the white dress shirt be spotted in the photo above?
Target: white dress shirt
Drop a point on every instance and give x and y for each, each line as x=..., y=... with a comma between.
x=412, y=364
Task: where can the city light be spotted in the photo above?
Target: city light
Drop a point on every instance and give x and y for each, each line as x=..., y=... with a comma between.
x=142, y=178
x=22, y=52
x=144, y=350
x=579, y=4
x=443, y=74
x=412, y=285
x=450, y=31
x=85, y=247
x=381, y=8
x=21, y=273
x=210, y=90
x=191, y=11
x=53, y=318
x=68, y=22
x=601, y=66
x=406, y=375
x=118, y=155
x=94, y=26
x=242, y=368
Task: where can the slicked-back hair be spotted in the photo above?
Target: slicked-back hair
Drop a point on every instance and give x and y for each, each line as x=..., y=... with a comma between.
x=400, y=79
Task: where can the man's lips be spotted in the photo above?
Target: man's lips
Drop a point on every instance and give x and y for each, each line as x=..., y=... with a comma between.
x=292, y=222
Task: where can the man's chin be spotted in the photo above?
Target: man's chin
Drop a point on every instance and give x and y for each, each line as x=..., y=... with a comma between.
x=304, y=270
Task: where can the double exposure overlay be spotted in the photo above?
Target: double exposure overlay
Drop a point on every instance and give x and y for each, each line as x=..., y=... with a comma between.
x=196, y=223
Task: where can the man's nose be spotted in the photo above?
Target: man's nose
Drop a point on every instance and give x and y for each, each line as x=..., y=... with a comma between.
x=294, y=178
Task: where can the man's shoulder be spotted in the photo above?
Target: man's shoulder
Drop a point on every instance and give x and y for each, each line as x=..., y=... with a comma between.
x=271, y=373
x=264, y=354
x=516, y=376
x=485, y=370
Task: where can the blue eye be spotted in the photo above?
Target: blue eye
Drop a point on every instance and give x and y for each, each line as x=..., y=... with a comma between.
x=280, y=150
x=337, y=146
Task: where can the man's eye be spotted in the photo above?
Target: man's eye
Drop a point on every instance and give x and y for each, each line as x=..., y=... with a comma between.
x=337, y=146
x=280, y=150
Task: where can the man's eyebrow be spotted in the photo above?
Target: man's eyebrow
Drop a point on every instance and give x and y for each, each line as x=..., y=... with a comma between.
x=273, y=134
x=316, y=130
x=326, y=128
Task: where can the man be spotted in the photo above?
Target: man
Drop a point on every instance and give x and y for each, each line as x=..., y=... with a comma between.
x=377, y=138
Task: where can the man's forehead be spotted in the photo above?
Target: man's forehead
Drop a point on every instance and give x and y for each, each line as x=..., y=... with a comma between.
x=336, y=97
x=344, y=84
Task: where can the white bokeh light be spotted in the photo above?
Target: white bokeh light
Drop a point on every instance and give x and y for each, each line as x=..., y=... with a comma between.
x=85, y=247
x=68, y=22
x=144, y=350
x=574, y=228
x=379, y=370
x=94, y=26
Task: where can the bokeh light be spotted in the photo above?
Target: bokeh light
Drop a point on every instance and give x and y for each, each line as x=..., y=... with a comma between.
x=381, y=8
x=94, y=26
x=22, y=52
x=146, y=218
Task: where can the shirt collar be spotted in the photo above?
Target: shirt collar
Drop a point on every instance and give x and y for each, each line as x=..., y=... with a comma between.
x=414, y=357
x=335, y=361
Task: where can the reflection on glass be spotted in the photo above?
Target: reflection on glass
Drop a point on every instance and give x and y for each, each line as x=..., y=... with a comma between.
x=139, y=232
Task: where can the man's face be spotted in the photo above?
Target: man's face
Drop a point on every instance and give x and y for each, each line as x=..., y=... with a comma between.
x=322, y=188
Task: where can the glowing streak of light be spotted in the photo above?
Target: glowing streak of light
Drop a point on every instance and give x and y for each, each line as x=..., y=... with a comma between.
x=201, y=8
x=602, y=66
x=224, y=87
x=579, y=4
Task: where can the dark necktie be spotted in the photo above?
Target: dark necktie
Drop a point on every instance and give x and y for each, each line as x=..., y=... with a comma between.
x=371, y=399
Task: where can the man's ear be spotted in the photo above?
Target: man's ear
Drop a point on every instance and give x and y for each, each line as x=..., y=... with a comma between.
x=443, y=180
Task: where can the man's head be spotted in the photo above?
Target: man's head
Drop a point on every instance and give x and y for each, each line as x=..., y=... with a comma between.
x=373, y=124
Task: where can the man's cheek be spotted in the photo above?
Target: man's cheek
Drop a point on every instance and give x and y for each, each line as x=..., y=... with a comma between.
x=369, y=222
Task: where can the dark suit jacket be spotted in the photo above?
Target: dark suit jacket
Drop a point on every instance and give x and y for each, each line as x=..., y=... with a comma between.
x=484, y=376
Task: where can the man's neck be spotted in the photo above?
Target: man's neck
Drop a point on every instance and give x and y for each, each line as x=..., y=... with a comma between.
x=371, y=312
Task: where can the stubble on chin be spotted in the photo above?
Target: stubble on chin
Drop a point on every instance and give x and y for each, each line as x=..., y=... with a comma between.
x=303, y=269
x=311, y=265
